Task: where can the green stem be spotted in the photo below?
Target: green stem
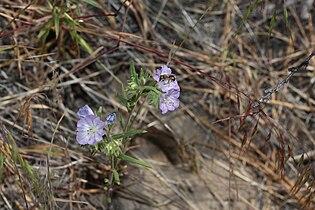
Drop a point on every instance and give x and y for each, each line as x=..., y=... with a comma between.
x=126, y=142
x=114, y=160
x=110, y=180
x=130, y=121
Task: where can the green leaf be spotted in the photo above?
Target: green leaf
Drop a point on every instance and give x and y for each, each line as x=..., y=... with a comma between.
x=249, y=9
x=272, y=22
x=116, y=176
x=154, y=99
x=43, y=33
x=50, y=5
x=153, y=88
x=123, y=100
x=82, y=42
x=93, y=3
x=6, y=47
x=141, y=73
x=2, y=158
x=57, y=21
x=128, y=134
x=99, y=111
x=70, y=18
x=132, y=70
x=85, y=45
x=123, y=91
x=133, y=73
x=121, y=120
x=142, y=77
x=135, y=161
x=17, y=157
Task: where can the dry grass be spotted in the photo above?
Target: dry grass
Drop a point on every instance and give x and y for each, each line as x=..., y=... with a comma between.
x=216, y=152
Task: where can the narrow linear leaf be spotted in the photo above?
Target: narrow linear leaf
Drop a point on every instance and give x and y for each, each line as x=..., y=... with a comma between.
x=2, y=158
x=16, y=156
x=133, y=73
x=121, y=120
x=272, y=22
x=249, y=9
x=123, y=100
x=286, y=17
x=93, y=3
x=6, y=47
x=135, y=161
x=128, y=134
x=57, y=22
x=99, y=111
x=69, y=18
x=84, y=44
x=285, y=12
x=43, y=33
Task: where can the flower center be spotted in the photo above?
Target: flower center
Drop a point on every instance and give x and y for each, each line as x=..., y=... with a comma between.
x=92, y=129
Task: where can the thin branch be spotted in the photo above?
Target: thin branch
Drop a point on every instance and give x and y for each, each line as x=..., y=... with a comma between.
x=268, y=92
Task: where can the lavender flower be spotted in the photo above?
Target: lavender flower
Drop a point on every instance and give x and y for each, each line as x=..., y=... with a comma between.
x=84, y=111
x=169, y=101
x=110, y=118
x=167, y=83
x=90, y=130
x=162, y=71
x=166, y=80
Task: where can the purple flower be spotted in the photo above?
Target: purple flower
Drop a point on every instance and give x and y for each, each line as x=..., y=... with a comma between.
x=110, y=118
x=169, y=101
x=90, y=130
x=164, y=70
x=84, y=111
x=168, y=84
x=166, y=80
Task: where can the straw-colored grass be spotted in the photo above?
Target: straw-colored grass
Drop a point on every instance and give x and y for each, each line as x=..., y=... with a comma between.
x=219, y=150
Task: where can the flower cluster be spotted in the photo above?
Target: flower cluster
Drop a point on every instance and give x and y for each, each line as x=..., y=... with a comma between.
x=167, y=83
x=110, y=118
x=113, y=148
x=90, y=128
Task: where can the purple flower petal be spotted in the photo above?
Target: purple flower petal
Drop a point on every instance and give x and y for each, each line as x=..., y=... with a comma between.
x=163, y=71
x=81, y=138
x=167, y=85
x=166, y=70
x=167, y=82
x=169, y=101
x=84, y=111
x=90, y=130
x=110, y=118
x=156, y=77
